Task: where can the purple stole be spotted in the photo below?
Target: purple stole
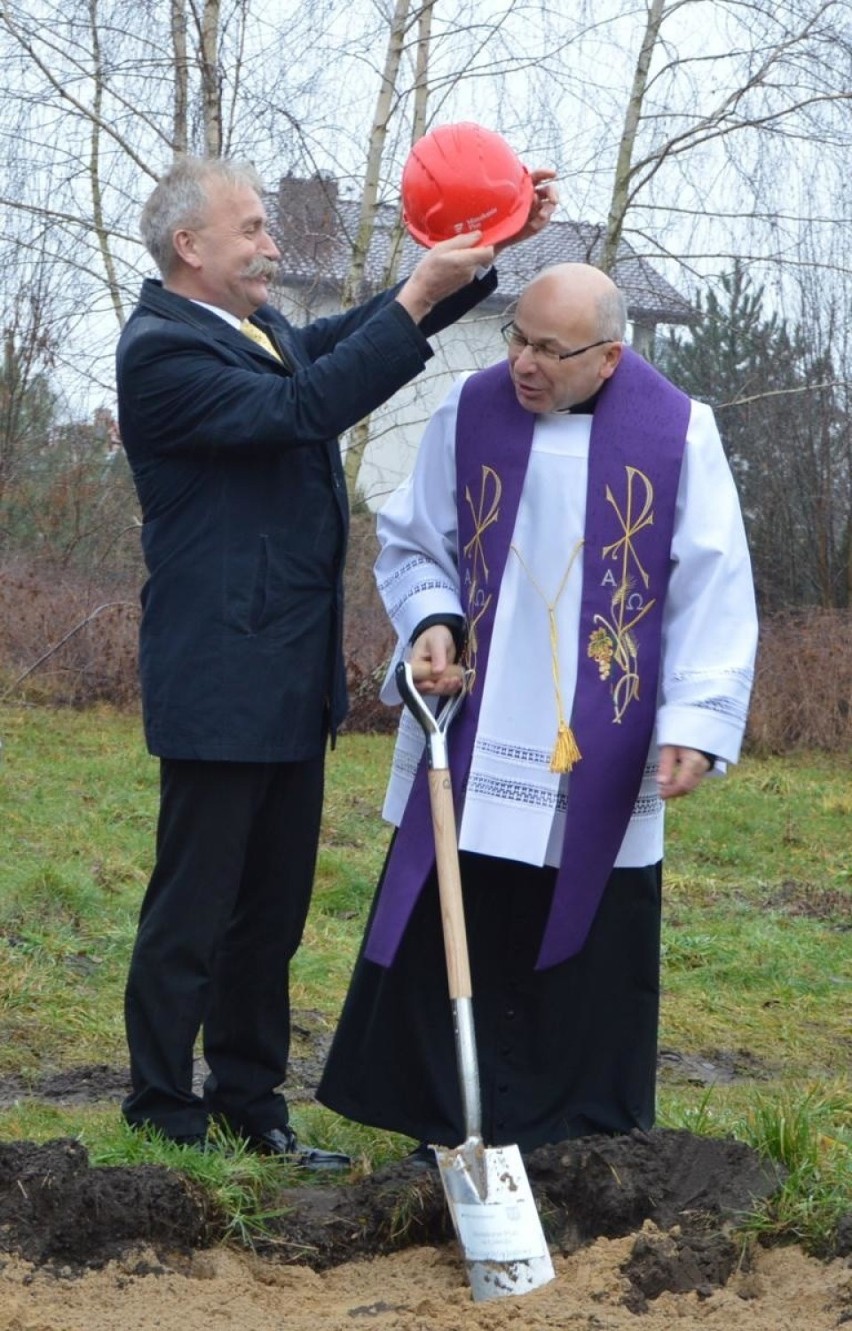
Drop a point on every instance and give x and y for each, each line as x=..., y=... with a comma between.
x=635, y=455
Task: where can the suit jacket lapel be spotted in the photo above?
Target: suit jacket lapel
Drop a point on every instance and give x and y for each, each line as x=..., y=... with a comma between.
x=163, y=302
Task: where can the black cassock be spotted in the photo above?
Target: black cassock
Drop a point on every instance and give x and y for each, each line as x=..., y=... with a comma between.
x=563, y=1052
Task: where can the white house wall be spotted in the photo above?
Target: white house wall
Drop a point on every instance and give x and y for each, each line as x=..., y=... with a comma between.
x=396, y=428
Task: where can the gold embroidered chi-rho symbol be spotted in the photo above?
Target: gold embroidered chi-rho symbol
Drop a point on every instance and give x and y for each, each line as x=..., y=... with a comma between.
x=484, y=512
x=613, y=643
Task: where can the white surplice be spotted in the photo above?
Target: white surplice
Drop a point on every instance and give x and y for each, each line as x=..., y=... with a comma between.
x=514, y=805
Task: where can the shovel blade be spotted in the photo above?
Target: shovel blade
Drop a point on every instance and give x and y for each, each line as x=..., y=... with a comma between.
x=495, y=1218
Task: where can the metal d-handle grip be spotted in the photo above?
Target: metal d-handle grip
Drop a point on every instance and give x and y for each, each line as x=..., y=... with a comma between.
x=434, y=727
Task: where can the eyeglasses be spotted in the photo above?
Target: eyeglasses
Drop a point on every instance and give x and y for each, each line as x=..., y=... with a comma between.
x=514, y=338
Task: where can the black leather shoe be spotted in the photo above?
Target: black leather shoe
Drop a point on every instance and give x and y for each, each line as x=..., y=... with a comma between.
x=422, y=1157
x=284, y=1143
x=196, y=1140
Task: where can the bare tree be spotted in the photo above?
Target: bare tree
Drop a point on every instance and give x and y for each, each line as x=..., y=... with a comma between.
x=98, y=220
x=621, y=185
x=359, y=436
x=708, y=135
x=211, y=92
x=724, y=109
x=98, y=82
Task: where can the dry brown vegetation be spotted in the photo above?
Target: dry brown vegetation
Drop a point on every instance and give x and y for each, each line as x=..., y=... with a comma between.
x=65, y=641
x=803, y=689
x=68, y=641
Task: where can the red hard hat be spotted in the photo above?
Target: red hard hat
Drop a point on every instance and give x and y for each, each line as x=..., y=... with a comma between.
x=461, y=178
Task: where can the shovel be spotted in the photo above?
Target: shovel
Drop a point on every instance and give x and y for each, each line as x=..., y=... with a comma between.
x=492, y=1207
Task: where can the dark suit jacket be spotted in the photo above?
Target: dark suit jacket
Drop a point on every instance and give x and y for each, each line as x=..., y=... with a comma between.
x=239, y=476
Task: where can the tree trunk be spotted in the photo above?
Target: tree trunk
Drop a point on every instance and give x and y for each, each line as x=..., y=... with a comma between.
x=620, y=200
x=211, y=92
x=353, y=287
x=99, y=223
x=180, y=134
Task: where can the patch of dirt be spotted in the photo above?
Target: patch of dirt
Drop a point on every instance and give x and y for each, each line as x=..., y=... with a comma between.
x=816, y=903
x=55, y=1207
x=719, y=1067
x=641, y=1228
x=93, y=1083
x=311, y=1038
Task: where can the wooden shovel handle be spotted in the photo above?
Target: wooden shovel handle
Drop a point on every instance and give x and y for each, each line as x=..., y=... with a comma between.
x=449, y=883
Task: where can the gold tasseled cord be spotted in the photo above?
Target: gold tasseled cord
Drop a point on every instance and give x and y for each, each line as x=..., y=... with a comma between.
x=566, y=751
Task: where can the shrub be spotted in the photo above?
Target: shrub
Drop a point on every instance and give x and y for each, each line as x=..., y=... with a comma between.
x=803, y=687
x=65, y=640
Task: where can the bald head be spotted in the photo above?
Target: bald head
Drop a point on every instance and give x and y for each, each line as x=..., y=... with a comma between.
x=567, y=339
x=578, y=290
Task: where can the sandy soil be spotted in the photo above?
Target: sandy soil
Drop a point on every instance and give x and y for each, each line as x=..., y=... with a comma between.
x=422, y=1289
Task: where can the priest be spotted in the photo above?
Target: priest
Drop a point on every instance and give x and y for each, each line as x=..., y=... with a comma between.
x=571, y=534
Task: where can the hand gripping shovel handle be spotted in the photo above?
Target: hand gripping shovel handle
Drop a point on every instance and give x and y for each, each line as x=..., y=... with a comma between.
x=449, y=884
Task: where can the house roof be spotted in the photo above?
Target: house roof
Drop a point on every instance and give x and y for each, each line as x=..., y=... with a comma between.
x=314, y=229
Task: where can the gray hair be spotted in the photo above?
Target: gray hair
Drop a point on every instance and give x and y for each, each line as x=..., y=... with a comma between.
x=612, y=315
x=180, y=200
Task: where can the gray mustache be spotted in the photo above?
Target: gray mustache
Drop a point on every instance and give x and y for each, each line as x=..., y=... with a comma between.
x=261, y=267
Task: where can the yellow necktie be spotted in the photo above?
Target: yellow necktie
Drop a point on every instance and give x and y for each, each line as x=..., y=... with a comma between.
x=257, y=335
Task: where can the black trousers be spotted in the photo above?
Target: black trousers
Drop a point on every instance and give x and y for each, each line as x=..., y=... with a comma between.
x=563, y=1052
x=222, y=917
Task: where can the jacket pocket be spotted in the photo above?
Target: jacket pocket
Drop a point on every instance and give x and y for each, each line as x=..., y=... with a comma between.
x=259, y=605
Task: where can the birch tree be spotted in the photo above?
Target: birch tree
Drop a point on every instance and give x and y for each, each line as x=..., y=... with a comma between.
x=717, y=113
x=401, y=24
x=104, y=101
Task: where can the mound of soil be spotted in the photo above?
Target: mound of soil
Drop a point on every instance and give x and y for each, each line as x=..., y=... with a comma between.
x=54, y=1207
x=639, y=1226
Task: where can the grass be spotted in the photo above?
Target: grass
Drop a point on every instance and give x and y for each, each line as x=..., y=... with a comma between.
x=756, y=950
x=757, y=916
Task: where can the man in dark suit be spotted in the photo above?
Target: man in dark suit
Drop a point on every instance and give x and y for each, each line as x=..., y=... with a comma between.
x=232, y=438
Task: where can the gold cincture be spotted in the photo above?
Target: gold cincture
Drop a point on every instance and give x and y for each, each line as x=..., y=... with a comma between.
x=566, y=751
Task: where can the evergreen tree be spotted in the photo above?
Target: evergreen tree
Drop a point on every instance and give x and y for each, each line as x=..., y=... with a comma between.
x=27, y=408
x=784, y=433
